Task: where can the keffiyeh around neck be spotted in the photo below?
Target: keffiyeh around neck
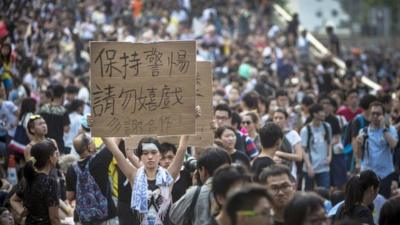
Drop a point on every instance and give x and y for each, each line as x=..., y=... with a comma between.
x=139, y=201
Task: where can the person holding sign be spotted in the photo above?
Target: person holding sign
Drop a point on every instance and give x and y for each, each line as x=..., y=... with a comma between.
x=151, y=183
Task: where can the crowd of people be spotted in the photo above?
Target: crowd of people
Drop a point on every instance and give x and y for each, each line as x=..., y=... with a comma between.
x=296, y=142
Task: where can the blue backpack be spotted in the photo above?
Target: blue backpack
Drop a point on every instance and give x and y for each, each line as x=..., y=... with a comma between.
x=346, y=134
x=91, y=204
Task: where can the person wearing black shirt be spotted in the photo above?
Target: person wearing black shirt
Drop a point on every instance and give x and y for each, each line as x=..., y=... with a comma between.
x=98, y=168
x=226, y=138
x=271, y=136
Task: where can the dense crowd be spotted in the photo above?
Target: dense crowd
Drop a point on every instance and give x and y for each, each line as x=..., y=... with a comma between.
x=296, y=141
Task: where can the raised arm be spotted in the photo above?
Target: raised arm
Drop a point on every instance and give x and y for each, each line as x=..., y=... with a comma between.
x=176, y=165
x=127, y=168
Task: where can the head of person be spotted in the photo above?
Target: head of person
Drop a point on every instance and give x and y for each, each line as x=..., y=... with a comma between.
x=390, y=212
x=328, y=104
x=352, y=98
x=250, y=101
x=43, y=155
x=366, y=100
x=306, y=209
x=83, y=144
x=272, y=105
x=227, y=136
x=376, y=113
x=234, y=95
x=280, y=117
x=250, y=121
x=6, y=217
x=28, y=105
x=58, y=91
x=280, y=183
x=223, y=115
x=37, y=126
x=76, y=105
x=6, y=51
x=71, y=92
x=148, y=151
x=361, y=189
x=168, y=152
x=209, y=161
x=271, y=136
x=306, y=103
x=282, y=99
x=236, y=120
x=249, y=205
x=317, y=112
x=227, y=178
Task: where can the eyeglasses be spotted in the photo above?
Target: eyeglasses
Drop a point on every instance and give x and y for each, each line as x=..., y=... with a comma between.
x=283, y=187
x=246, y=122
x=376, y=113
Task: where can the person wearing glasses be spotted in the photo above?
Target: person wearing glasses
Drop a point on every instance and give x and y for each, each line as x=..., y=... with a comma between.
x=250, y=205
x=250, y=121
x=280, y=183
x=306, y=209
x=37, y=130
x=376, y=143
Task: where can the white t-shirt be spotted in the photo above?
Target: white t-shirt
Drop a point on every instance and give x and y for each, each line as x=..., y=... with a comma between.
x=294, y=138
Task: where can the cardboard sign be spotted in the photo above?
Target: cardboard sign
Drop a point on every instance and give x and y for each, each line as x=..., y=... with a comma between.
x=141, y=89
x=204, y=133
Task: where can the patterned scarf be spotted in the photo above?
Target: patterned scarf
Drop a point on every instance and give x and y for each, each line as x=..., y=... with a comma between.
x=139, y=201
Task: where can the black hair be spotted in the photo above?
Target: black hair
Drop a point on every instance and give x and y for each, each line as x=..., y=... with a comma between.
x=269, y=100
x=75, y=105
x=139, y=150
x=315, y=108
x=366, y=100
x=236, y=119
x=226, y=176
x=356, y=187
x=275, y=170
x=322, y=192
x=41, y=152
x=280, y=110
x=377, y=104
x=390, y=212
x=337, y=196
x=270, y=133
x=212, y=158
x=251, y=100
x=281, y=92
x=245, y=198
x=28, y=105
x=57, y=91
x=71, y=89
x=352, y=91
x=386, y=98
x=165, y=147
x=301, y=206
x=220, y=131
x=307, y=101
x=223, y=107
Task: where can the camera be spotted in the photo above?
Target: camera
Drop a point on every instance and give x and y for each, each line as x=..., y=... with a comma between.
x=191, y=164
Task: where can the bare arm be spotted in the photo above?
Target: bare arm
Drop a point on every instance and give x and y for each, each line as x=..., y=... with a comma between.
x=54, y=216
x=16, y=204
x=127, y=168
x=296, y=156
x=390, y=140
x=70, y=196
x=176, y=165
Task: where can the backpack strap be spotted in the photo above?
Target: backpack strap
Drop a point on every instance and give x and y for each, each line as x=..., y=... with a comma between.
x=364, y=146
x=327, y=136
x=189, y=213
x=309, y=136
x=361, y=119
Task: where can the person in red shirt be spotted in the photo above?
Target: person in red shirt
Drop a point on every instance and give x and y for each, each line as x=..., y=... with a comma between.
x=350, y=109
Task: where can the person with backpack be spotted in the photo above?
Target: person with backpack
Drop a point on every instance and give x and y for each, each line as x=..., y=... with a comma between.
x=88, y=184
x=376, y=144
x=316, y=140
